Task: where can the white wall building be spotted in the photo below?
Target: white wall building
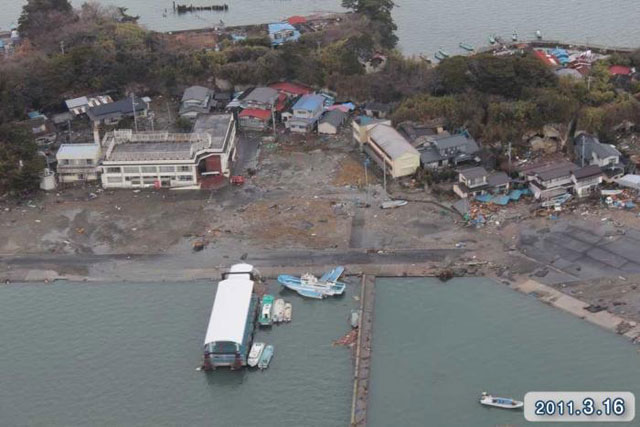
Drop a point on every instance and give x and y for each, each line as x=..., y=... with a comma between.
x=146, y=159
x=78, y=162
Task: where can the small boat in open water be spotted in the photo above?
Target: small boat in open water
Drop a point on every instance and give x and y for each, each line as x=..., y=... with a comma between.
x=443, y=52
x=466, y=46
x=288, y=312
x=278, y=311
x=538, y=34
x=310, y=286
x=265, y=359
x=500, y=402
x=254, y=355
x=266, y=314
x=514, y=36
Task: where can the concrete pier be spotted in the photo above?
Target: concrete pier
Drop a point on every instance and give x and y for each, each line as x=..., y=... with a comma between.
x=363, y=353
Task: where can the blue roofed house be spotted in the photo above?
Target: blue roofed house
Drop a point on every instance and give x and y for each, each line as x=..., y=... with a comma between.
x=306, y=113
x=282, y=32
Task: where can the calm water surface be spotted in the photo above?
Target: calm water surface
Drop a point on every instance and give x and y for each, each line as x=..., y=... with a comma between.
x=424, y=26
x=126, y=353
x=437, y=346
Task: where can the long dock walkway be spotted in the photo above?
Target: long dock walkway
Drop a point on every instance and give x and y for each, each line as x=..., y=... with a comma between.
x=363, y=353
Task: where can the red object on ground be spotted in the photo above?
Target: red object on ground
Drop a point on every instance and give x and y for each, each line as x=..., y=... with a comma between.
x=297, y=19
x=290, y=89
x=237, y=180
x=619, y=70
x=546, y=58
x=254, y=112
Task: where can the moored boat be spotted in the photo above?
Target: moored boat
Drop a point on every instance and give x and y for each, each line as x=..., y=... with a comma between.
x=355, y=318
x=266, y=313
x=390, y=204
x=538, y=34
x=438, y=56
x=514, y=36
x=288, y=312
x=492, y=39
x=310, y=286
x=443, y=52
x=254, y=355
x=500, y=402
x=466, y=46
x=265, y=358
x=278, y=311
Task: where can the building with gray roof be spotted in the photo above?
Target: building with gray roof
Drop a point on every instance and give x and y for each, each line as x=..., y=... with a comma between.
x=446, y=150
x=164, y=159
x=196, y=100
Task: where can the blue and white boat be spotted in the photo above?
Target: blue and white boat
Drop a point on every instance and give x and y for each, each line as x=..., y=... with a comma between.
x=500, y=402
x=310, y=286
x=266, y=357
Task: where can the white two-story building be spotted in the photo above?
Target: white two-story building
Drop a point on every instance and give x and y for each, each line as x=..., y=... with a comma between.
x=146, y=159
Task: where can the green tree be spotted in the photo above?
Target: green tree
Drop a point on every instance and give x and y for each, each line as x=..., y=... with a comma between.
x=20, y=164
x=40, y=16
x=379, y=12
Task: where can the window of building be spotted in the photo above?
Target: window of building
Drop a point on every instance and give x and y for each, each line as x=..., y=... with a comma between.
x=131, y=169
x=114, y=179
x=114, y=170
x=149, y=180
x=89, y=162
x=149, y=169
x=185, y=178
x=167, y=169
x=65, y=161
x=184, y=168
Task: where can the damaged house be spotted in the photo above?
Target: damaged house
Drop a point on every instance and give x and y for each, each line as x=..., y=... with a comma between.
x=590, y=151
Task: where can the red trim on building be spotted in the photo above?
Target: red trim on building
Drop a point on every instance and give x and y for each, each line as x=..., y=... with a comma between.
x=258, y=114
x=291, y=88
x=297, y=19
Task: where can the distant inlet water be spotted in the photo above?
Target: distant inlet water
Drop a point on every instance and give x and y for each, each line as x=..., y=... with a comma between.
x=424, y=26
x=437, y=346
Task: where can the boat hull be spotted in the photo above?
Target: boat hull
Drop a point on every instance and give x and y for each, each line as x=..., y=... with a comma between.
x=316, y=291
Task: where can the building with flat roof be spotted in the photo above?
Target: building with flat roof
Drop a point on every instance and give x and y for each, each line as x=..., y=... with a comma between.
x=231, y=323
x=197, y=160
x=78, y=162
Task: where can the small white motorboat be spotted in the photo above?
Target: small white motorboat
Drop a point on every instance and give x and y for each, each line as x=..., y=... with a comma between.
x=278, y=311
x=390, y=204
x=288, y=312
x=254, y=355
x=500, y=402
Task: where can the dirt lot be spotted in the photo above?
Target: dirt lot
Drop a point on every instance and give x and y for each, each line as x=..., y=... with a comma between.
x=308, y=195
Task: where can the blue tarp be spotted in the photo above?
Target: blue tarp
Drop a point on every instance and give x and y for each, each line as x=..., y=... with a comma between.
x=501, y=200
x=515, y=194
x=484, y=198
x=282, y=32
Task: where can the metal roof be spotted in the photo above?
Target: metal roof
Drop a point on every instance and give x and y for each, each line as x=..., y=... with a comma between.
x=263, y=95
x=468, y=145
x=199, y=93
x=77, y=102
x=230, y=310
x=309, y=102
x=78, y=151
x=498, y=178
x=592, y=145
x=126, y=146
x=391, y=142
x=475, y=172
x=587, y=171
x=123, y=106
x=334, y=117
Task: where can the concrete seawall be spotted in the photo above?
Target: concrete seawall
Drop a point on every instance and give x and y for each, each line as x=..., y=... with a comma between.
x=363, y=353
x=576, y=307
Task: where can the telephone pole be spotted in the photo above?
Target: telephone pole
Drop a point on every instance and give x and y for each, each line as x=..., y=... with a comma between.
x=133, y=108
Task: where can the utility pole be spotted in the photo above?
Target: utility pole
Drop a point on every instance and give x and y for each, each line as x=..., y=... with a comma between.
x=273, y=120
x=133, y=108
x=509, y=154
x=583, y=152
x=169, y=112
x=366, y=178
x=62, y=46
